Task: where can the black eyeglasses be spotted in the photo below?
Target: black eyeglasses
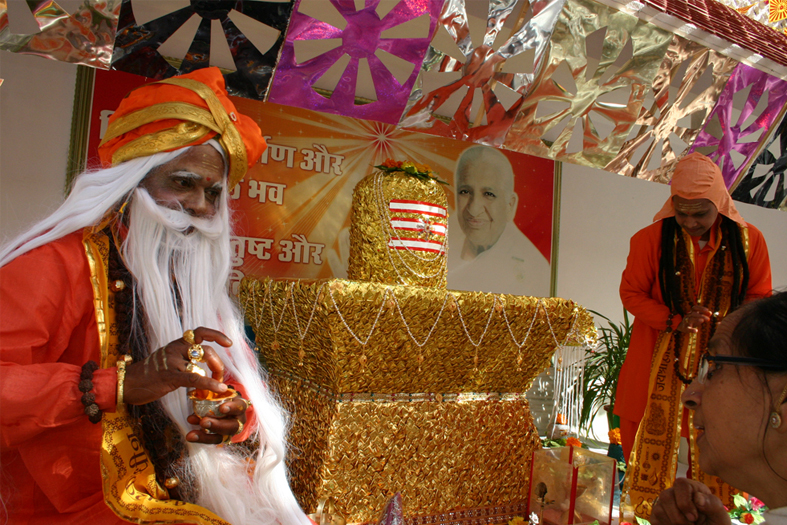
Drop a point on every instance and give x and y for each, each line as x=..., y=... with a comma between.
x=707, y=359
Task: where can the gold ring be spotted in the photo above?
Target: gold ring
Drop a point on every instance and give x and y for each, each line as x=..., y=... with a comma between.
x=196, y=353
x=246, y=402
x=240, y=428
x=195, y=369
x=188, y=336
x=225, y=440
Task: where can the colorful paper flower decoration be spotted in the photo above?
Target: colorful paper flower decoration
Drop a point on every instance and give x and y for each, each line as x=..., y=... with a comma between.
x=363, y=49
x=137, y=46
x=770, y=13
x=747, y=108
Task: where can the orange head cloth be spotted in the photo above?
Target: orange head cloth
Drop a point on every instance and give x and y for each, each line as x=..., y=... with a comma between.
x=182, y=111
x=697, y=177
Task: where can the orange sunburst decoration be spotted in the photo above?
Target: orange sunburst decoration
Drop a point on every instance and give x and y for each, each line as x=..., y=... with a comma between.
x=778, y=11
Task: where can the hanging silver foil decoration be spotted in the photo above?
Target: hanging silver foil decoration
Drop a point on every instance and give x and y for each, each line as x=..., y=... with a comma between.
x=487, y=78
x=584, y=103
x=137, y=45
x=83, y=37
x=687, y=85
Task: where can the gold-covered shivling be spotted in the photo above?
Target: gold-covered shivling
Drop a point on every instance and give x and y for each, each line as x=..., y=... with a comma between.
x=399, y=227
x=397, y=384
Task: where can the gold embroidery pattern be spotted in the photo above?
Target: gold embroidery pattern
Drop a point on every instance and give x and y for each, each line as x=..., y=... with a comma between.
x=164, y=140
x=129, y=479
x=163, y=111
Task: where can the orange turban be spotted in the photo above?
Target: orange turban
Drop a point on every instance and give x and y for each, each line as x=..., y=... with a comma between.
x=697, y=177
x=182, y=111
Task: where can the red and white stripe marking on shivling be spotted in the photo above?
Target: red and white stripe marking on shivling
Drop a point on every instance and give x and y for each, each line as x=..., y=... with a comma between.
x=417, y=245
x=418, y=225
x=424, y=208
x=426, y=225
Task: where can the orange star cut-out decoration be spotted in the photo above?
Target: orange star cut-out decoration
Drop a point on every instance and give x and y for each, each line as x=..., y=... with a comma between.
x=777, y=11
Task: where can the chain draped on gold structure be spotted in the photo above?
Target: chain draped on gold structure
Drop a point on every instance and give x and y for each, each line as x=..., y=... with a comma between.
x=393, y=388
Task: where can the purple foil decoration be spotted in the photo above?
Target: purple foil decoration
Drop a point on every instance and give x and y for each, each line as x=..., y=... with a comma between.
x=293, y=83
x=393, y=513
x=723, y=140
x=764, y=183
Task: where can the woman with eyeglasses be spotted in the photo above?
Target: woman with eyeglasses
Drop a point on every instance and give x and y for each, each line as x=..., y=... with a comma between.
x=738, y=404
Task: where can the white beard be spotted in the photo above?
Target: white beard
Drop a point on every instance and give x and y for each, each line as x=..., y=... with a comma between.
x=181, y=260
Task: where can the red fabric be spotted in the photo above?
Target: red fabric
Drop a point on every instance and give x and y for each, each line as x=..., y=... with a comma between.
x=641, y=296
x=49, y=451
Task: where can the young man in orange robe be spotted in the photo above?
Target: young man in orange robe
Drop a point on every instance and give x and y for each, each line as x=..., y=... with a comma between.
x=103, y=309
x=698, y=261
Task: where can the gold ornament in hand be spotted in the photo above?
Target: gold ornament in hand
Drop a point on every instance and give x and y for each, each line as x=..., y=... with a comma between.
x=188, y=336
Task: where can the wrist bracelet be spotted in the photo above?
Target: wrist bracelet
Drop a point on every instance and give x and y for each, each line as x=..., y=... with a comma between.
x=88, y=398
x=122, y=378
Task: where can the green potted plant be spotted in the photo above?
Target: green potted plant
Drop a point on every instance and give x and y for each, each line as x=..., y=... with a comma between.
x=600, y=379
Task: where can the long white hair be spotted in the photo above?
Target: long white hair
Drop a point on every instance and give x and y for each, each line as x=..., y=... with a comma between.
x=177, y=259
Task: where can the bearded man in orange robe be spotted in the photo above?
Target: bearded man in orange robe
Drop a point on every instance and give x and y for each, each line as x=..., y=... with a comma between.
x=104, y=307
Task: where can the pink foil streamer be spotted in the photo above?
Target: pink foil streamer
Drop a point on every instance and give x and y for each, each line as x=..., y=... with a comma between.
x=86, y=37
x=719, y=144
x=293, y=83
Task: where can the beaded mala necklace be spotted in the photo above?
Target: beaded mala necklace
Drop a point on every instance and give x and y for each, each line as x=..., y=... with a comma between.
x=717, y=284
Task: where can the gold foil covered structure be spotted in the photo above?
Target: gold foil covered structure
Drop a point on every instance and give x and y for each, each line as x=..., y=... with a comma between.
x=398, y=230
x=410, y=389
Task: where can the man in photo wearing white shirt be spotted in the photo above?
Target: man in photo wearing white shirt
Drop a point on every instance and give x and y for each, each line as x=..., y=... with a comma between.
x=488, y=252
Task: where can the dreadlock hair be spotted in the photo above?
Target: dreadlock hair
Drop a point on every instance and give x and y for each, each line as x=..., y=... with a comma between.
x=670, y=283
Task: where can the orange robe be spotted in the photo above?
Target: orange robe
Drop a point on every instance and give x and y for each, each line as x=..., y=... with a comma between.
x=49, y=451
x=641, y=295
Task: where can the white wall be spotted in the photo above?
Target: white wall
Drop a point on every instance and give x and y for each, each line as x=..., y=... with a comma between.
x=36, y=101
x=599, y=213
x=599, y=210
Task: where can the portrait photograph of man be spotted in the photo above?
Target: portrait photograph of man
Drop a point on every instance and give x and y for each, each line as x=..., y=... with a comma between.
x=488, y=250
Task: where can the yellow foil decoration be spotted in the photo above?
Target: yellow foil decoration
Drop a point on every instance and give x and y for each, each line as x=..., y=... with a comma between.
x=398, y=231
x=392, y=393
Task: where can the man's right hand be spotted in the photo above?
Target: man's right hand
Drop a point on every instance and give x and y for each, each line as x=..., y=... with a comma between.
x=164, y=370
x=688, y=502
